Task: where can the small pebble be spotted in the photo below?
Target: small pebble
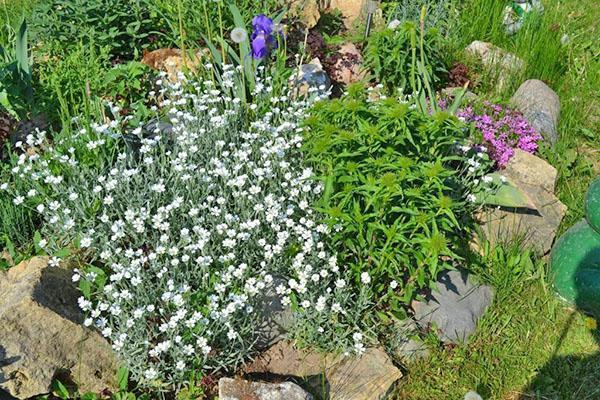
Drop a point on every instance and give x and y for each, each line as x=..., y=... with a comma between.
x=471, y=395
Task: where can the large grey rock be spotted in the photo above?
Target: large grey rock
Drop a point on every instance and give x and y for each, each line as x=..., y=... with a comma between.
x=239, y=389
x=498, y=63
x=540, y=105
x=535, y=228
x=368, y=377
x=309, y=77
x=454, y=307
x=41, y=333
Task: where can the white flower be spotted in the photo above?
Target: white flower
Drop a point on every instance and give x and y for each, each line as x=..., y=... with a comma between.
x=86, y=242
x=365, y=278
x=150, y=373
x=472, y=198
x=394, y=24
x=158, y=188
x=54, y=262
x=393, y=284
x=18, y=200
x=239, y=35
x=42, y=243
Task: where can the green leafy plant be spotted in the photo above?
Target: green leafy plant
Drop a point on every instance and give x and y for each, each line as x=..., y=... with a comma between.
x=16, y=91
x=394, y=190
x=390, y=54
x=128, y=86
x=125, y=27
x=225, y=56
x=59, y=390
x=70, y=78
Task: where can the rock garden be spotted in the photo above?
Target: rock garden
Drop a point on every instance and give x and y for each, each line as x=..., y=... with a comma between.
x=299, y=199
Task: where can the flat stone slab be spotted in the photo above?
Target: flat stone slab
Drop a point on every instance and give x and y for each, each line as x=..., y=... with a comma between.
x=368, y=377
x=537, y=228
x=41, y=333
x=454, y=307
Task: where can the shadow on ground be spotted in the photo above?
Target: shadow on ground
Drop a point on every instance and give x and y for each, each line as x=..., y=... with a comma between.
x=572, y=377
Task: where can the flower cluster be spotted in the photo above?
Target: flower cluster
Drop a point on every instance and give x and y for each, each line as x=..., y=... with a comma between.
x=502, y=130
x=192, y=228
x=263, y=36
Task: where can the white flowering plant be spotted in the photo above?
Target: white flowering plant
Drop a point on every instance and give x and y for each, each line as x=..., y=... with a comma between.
x=188, y=226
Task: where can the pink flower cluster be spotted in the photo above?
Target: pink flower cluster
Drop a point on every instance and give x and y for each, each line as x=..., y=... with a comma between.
x=503, y=130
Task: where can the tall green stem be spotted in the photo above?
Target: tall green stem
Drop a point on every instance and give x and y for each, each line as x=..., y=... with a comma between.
x=222, y=33
x=181, y=33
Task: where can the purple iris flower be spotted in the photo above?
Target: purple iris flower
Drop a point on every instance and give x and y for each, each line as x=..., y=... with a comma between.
x=260, y=47
x=262, y=24
x=262, y=37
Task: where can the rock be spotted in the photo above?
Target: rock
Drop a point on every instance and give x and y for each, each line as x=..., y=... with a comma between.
x=41, y=333
x=537, y=228
x=367, y=377
x=239, y=389
x=496, y=61
x=307, y=11
x=352, y=10
x=540, y=105
x=285, y=360
x=454, y=307
x=171, y=61
x=348, y=68
x=471, y=395
x=309, y=77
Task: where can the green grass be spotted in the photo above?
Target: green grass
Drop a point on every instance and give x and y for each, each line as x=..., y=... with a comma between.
x=571, y=69
x=527, y=346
